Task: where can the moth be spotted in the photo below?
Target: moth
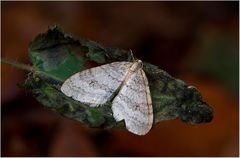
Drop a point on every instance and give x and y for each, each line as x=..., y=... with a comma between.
x=125, y=83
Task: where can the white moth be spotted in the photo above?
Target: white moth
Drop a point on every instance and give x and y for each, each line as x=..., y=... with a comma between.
x=125, y=83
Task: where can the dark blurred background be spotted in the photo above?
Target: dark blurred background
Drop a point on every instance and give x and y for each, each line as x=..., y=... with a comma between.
x=194, y=41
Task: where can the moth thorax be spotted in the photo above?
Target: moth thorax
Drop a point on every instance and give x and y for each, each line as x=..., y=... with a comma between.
x=136, y=65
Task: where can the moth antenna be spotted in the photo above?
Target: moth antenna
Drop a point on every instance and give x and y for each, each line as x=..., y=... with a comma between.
x=131, y=53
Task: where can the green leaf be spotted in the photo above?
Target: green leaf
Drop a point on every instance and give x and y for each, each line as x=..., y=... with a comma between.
x=96, y=118
x=57, y=55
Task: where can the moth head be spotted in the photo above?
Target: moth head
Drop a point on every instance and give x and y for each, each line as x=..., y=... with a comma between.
x=140, y=63
x=136, y=65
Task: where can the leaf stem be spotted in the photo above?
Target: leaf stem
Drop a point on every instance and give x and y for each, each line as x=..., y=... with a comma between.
x=17, y=64
x=49, y=75
x=29, y=68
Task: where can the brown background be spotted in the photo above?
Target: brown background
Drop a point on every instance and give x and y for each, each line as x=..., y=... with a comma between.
x=194, y=41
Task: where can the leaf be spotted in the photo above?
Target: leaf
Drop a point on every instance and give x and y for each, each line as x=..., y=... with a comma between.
x=54, y=53
x=57, y=55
